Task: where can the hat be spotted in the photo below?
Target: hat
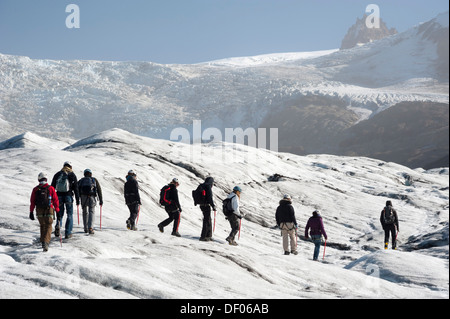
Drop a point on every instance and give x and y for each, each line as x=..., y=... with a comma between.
x=316, y=212
x=237, y=189
x=42, y=176
x=175, y=180
x=67, y=163
x=131, y=172
x=287, y=197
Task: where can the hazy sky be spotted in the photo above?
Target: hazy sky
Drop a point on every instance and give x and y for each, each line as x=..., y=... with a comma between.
x=190, y=31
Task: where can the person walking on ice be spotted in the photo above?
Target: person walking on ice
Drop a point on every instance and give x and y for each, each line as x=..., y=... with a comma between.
x=232, y=213
x=89, y=189
x=315, y=223
x=66, y=186
x=132, y=199
x=285, y=217
x=45, y=200
x=169, y=199
x=389, y=222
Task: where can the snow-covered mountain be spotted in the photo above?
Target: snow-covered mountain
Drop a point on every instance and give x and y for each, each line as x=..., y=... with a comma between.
x=334, y=90
x=360, y=34
x=117, y=263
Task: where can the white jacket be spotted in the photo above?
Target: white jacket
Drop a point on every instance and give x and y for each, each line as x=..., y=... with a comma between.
x=235, y=203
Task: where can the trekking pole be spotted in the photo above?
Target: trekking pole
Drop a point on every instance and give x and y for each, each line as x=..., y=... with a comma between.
x=139, y=210
x=101, y=217
x=324, y=247
x=214, y=227
x=240, y=222
x=179, y=219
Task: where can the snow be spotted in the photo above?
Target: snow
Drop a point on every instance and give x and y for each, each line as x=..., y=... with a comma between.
x=264, y=59
x=118, y=263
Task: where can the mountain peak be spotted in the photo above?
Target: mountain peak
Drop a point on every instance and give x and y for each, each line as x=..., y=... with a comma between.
x=359, y=33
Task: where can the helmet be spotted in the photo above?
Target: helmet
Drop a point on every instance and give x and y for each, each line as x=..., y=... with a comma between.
x=42, y=176
x=175, y=180
x=131, y=172
x=87, y=171
x=287, y=197
x=237, y=189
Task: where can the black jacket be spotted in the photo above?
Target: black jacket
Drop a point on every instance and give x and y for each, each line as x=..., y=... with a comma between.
x=73, y=184
x=395, y=218
x=285, y=213
x=207, y=186
x=174, y=200
x=98, y=189
x=131, y=191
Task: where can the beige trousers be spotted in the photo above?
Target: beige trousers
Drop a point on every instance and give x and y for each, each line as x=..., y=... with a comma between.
x=288, y=233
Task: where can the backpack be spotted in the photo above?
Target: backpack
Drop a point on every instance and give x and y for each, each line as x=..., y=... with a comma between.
x=199, y=196
x=388, y=214
x=227, y=206
x=88, y=186
x=42, y=197
x=164, y=199
x=62, y=183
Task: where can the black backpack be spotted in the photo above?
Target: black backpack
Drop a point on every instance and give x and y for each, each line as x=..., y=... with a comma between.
x=41, y=199
x=88, y=186
x=389, y=217
x=199, y=196
x=164, y=199
x=227, y=207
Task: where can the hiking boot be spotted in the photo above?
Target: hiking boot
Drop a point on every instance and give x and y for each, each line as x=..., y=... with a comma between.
x=294, y=252
x=286, y=253
x=203, y=239
x=91, y=231
x=68, y=236
x=175, y=233
x=128, y=224
x=161, y=229
x=86, y=230
x=45, y=246
x=57, y=233
x=233, y=243
x=386, y=245
x=133, y=228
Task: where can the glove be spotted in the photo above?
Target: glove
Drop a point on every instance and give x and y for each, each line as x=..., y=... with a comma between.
x=31, y=215
x=101, y=203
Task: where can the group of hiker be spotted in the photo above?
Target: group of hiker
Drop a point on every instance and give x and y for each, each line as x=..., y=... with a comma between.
x=56, y=200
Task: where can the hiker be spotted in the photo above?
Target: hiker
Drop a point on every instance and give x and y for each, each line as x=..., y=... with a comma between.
x=132, y=199
x=89, y=188
x=389, y=222
x=169, y=199
x=206, y=206
x=315, y=223
x=45, y=200
x=234, y=215
x=66, y=185
x=285, y=217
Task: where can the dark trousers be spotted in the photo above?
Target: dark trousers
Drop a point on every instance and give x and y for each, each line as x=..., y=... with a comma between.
x=234, y=223
x=207, y=224
x=173, y=217
x=390, y=229
x=134, y=210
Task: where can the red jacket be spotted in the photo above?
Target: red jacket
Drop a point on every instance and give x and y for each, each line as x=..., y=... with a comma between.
x=52, y=192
